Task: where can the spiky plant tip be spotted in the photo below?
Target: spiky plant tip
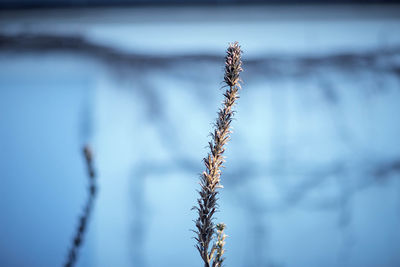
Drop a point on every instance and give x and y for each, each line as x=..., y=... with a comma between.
x=221, y=226
x=233, y=65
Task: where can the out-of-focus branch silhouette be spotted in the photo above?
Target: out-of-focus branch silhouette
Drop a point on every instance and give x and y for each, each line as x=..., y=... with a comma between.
x=271, y=65
x=84, y=218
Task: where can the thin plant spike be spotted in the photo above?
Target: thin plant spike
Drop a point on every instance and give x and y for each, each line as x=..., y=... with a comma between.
x=210, y=178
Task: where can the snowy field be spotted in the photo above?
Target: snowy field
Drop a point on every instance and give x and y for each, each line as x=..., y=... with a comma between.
x=313, y=167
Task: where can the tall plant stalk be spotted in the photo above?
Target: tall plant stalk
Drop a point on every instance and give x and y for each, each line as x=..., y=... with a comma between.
x=210, y=178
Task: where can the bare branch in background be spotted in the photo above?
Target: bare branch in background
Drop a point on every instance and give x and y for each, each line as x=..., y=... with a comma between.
x=268, y=65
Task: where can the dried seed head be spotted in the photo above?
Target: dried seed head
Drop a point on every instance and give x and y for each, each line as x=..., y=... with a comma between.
x=233, y=65
x=210, y=178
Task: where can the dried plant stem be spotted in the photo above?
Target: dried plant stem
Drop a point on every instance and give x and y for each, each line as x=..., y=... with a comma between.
x=210, y=179
x=78, y=238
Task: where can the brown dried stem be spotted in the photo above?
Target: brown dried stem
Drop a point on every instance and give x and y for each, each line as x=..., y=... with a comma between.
x=210, y=179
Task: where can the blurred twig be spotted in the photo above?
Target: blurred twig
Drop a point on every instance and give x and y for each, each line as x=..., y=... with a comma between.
x=83, y=221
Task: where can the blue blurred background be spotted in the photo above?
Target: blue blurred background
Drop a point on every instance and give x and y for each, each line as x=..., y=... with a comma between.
x=313, y=167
